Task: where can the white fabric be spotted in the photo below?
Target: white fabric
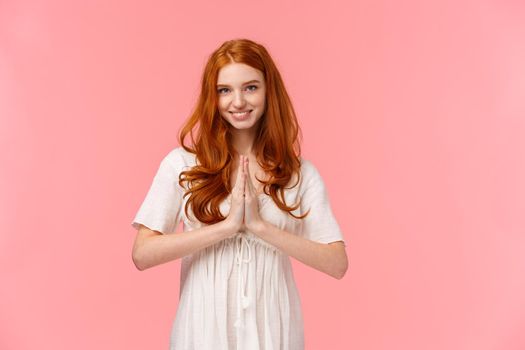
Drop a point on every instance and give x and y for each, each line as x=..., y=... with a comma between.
x=240, y=293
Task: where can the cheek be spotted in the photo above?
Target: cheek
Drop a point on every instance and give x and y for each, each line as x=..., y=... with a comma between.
x=221, y=105
x=259, y=99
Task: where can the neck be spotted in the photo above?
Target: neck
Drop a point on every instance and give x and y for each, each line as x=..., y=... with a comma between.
x=242, y=140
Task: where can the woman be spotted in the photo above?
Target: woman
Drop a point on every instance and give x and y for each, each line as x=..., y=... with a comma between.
x=250, y=201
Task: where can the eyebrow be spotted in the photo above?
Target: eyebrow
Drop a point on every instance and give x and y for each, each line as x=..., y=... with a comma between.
x=248, y=82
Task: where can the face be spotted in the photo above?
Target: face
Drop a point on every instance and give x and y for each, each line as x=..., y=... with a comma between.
x=241, y=88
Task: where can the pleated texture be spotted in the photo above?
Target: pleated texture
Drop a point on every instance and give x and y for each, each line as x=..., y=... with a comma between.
x=208, y=302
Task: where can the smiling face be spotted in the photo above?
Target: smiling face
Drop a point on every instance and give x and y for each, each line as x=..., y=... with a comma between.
x=241, y=88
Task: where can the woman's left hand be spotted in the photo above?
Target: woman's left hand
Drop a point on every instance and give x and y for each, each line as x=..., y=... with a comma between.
x=252, y=219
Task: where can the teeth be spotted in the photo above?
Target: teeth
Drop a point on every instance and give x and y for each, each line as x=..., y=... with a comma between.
x=240, y=113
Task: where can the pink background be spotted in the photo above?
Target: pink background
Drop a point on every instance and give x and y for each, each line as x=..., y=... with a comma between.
x=413, y=111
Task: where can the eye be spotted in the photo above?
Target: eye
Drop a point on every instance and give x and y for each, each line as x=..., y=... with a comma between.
x=254, y=86
x=219, y=90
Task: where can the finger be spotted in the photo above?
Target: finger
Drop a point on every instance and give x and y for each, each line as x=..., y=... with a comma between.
x=240, y=182
x=246, y=177
x=249, y=179
x=242, y=170
x=251, y=187
x=246, y=172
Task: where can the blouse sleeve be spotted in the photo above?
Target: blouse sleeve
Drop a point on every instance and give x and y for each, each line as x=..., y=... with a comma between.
x=161, y=209
x=320, y=224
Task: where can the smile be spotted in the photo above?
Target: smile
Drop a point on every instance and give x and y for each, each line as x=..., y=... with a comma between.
x=240, y=114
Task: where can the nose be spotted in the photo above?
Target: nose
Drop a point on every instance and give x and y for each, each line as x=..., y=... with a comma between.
x=238, y=100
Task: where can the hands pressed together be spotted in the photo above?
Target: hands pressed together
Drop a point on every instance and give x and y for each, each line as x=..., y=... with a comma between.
x=244, y=209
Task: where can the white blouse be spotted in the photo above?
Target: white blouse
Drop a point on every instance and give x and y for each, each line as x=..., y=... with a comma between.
x=240, y=293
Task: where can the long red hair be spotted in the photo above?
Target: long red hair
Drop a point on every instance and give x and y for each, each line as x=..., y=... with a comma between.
x=276, y=145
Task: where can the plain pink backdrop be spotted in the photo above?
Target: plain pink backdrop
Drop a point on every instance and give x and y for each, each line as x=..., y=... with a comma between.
x=413, y=111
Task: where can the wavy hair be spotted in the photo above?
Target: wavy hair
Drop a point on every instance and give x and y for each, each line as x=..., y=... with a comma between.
x=276, y=145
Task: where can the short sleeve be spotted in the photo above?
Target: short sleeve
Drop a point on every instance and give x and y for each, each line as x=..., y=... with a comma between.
x=161, y=209
x=320, y=224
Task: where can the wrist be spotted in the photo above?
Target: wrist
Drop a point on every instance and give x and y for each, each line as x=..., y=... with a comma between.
x=228, y=228
x=260, y=228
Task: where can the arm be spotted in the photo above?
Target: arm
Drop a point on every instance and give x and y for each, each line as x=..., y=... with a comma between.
x=328, y=258
x=153, y=248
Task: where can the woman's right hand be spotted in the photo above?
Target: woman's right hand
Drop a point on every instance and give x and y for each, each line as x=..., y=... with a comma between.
x=235, y=218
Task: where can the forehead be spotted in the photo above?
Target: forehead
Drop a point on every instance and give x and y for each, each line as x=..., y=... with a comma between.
x=238, y=74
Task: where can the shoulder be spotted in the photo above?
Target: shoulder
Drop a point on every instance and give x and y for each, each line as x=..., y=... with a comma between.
x=308, y=169
x=310, y=175
x=180, y=158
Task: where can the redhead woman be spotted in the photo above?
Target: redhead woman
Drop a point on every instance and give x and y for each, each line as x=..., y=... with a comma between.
x=248, y=202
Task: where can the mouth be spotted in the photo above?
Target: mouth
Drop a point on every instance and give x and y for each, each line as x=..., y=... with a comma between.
x=241, y=115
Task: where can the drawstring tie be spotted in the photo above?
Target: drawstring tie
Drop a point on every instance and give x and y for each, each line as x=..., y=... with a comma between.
x=242, y=299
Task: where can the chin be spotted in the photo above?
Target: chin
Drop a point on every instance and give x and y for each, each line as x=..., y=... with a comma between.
x=241, y=126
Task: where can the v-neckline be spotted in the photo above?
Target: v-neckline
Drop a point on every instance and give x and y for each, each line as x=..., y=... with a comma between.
x=260, y=196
